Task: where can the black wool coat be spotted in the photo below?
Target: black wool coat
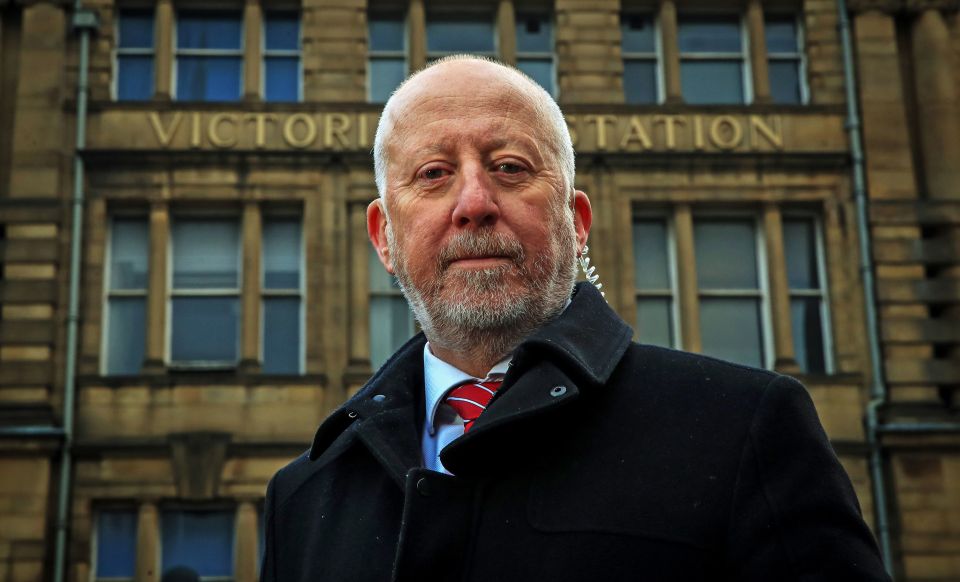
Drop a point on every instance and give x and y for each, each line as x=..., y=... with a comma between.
x=598, y=459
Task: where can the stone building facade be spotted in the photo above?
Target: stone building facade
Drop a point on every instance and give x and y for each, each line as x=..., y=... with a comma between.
x=226, y=299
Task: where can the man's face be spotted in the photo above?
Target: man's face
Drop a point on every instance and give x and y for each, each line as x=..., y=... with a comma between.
x=481, y=233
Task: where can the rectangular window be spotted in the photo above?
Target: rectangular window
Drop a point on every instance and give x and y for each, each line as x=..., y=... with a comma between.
x=200, y=540
x=452, y=33
x=205, y=293
x=282, y=296
x=133, y=76
x=655, y=282
x=125, y=314
x=391, y=322
x=386, y=57
x=115, y=543
x=732, y=313
x=281, y=56
x=209, y=55
x=638, y=45
x=808, y=305
x=712, y=60
x=535, y=49
x=785, y=59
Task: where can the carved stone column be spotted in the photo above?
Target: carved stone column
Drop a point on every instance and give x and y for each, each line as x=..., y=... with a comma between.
x=148, y=543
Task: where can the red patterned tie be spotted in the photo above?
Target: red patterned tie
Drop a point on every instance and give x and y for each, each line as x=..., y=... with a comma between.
x=469, y=400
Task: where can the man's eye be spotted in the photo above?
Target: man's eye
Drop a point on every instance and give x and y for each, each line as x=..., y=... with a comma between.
x=509, y=168
x=434, y=173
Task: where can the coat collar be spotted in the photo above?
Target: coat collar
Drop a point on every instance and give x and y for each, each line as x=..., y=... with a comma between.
x=578, y=350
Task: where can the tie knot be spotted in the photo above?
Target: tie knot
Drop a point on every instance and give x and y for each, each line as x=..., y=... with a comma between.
x=470, y=400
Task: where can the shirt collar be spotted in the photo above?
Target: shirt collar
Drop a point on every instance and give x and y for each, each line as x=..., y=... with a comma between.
x=440, y=377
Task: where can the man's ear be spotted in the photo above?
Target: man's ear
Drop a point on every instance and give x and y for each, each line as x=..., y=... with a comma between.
x=582, y=218
x=377, y=231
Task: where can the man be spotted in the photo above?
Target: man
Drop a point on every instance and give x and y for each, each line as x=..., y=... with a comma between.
x=595, y=458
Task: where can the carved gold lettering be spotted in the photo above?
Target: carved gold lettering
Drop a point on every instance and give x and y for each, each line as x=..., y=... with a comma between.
x=260, y=121
x=698, y=143
x=165, y=134
x=725, y=132
x=636, y=132
x=759, y=127
x=601, y=122
x=363, y=140
x=336, y=125
x=213, y=130
x=309, y=132
x=195, y=130
x=670, y=123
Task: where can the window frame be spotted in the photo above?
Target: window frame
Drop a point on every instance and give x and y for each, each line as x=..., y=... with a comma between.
x=95, y=538
x=107, y=288
x=178, y=52
x=823, y=293
x=673, y=293
x=743, y=57
x=656, y=56
x=800, y=56
x=119, y=52
x=266, y=53
x=185, y=365
x=183, y=507
x=550, y=56
x=299, y=293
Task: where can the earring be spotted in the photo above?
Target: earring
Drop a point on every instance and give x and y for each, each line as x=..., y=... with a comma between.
x=588, y=271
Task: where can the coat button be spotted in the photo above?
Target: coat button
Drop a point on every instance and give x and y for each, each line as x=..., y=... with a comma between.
x=557, y=391
x=379, y=398
x=423, y=487
x=352, y=414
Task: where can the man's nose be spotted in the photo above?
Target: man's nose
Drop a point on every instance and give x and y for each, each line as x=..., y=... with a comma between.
x=477, y=202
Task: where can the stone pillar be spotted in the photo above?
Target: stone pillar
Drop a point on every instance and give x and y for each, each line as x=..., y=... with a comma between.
x=163, y=60
x=417, y=35
x=758, y=52
x=252, y=25
x=507, y=32
x=687, y=279
x=937, y=116
x=147, y=568
x=247, y=549
x=671, y=51
x=157, y=289
x=783, y=349
x=250, y=310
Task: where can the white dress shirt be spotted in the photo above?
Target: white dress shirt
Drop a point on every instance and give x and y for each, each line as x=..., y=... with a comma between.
x=441, y=423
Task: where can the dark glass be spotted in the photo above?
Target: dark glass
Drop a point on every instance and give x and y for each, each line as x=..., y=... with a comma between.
x=126, y=335
x=637, y=33
x=785, y=81
x=281, y=253
x=800, y=248
x=710, y=35
x=386, y=33
x=726, y=252
x=206, y=253
x=460, y=34
x=281, y=335
x=116, y=543
x=129, y=247
x=534, y=33
x=540, y=70
x=135, y=29
x=200, y=540
x=640, y=81
x=650, y=256
x=781, y=34
x=134, y=77
x=654, y=321
x=209, y=30
x=385, y=75
x=712, y=82
x=730, y=329
x=282, y=31
x=282, y=82
x=208, y=78
x=205, y=329
x=806, y=319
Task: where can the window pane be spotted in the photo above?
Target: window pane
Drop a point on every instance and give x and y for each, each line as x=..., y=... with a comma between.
x=134, y=77
x=801, y=253
x=206, y=253
x=726, y=252
x=730, y=329
x=785, y=81
x=200, y=540
x=208, y=78
x=129, y=247
x=281, y=253
x=781, y=34
x=390, y=326
x=135, y=29
x=451, y=34
x=712, y=82
x=638, y=34
x=710, y=35
x=281, y=335
x=386, y=34
x=116, y=544
x=126, y=335
x=205, y=329
x=650, y=255
x=282, y=31
x=282, y=81
x=209, y=30
x=806, y=318
x=385, y=76
x=640, y=81
x=534, y=34
x=540, y=70
x=654, y=321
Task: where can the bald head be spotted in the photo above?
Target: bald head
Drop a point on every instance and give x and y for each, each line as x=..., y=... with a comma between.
x=487, y=83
